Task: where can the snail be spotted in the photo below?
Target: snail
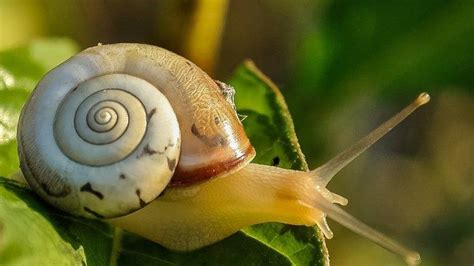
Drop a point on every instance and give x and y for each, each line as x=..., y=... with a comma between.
x=107, y=131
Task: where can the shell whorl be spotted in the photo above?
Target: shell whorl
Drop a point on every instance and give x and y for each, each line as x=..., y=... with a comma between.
x=96, y=125
x=104, y=149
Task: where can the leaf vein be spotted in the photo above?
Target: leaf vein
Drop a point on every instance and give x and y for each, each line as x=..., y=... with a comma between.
x=269, y=246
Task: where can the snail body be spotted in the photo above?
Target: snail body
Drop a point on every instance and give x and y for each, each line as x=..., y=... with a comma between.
x=106, y=132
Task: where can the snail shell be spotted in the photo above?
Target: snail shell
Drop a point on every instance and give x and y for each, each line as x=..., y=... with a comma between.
x=105, y=132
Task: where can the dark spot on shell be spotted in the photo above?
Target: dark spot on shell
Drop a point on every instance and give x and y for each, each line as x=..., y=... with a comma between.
x=195, y=131
x=148, y=150
x=142, y=202
x=212, y=142
x=74, y=89
x=55, y=190
x=276, y=161
x=171, y=164
x=167, y=146
x=220, y=141
x=150, y=114
x=88, y=188
x=94, y=213
x=122, y=176
x=188, y=63
x=217, y=120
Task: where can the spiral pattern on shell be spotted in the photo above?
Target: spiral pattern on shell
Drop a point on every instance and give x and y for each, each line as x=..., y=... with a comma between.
x=101, y=148
x=99, y=126
x=103, y=133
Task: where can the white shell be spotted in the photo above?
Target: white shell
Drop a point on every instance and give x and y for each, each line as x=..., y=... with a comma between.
x=126, y=110
x=97, y=146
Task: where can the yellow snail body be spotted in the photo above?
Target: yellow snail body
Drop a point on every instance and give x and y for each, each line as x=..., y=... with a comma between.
x=106, y=132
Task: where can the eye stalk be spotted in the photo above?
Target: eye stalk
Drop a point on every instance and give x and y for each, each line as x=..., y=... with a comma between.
x=328, y=170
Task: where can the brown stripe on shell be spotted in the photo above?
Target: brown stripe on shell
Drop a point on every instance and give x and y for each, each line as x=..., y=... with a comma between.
x=194, y=176
x=88, y=188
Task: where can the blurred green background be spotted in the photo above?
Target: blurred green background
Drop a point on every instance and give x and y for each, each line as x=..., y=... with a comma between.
x=343, y=67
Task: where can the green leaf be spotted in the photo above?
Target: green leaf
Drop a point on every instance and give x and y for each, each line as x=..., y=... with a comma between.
x=270, y=128
x=31, y=232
